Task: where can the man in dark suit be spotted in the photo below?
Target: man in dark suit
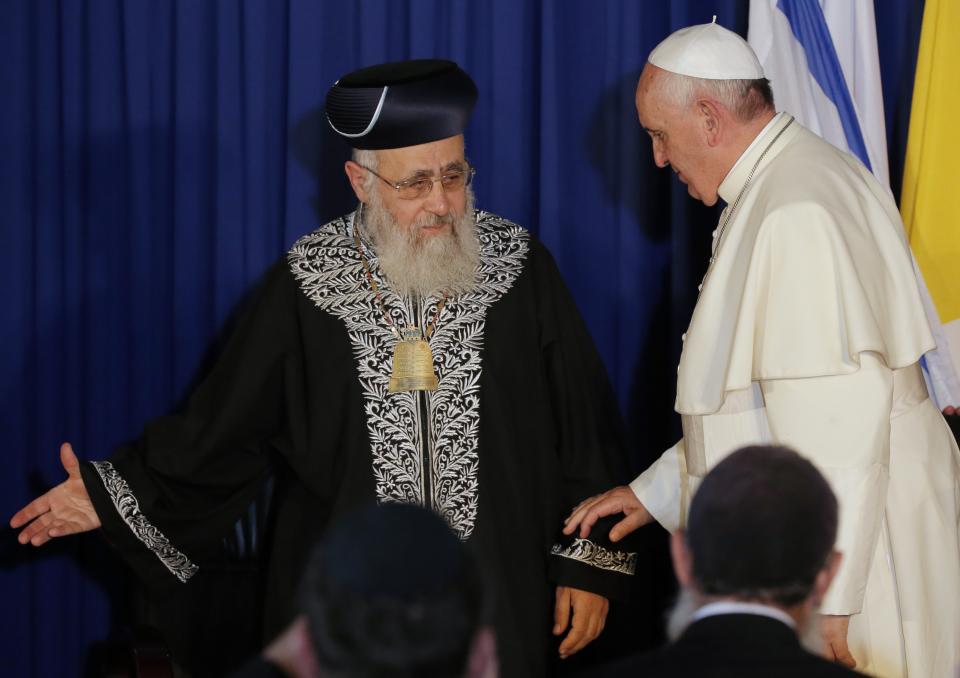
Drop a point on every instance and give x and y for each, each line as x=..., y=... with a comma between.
x=754, y=563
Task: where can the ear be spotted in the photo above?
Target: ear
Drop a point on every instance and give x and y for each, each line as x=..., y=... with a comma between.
x=710, y=119
x=682, y=560
x=825, y=577
x=357, y=176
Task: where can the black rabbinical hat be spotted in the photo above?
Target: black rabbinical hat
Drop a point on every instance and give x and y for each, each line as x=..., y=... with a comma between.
x=401, y=103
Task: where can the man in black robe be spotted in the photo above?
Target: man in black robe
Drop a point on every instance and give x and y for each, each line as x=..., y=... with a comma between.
x=416, y=350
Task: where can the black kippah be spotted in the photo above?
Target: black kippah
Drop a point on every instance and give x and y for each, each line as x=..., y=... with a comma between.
x=402, y=103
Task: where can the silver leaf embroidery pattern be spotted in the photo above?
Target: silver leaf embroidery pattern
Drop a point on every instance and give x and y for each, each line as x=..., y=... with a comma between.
x=593, y=554
x=329, y=270
x=179, y=565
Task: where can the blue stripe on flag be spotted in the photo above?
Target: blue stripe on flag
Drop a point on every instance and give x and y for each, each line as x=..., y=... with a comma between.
x=810, y=28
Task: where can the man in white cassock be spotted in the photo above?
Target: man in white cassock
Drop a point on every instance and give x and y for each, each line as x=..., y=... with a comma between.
x=807, y=332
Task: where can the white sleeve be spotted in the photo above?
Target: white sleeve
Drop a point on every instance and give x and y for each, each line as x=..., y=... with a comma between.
x=842, y=424
x=661, y=488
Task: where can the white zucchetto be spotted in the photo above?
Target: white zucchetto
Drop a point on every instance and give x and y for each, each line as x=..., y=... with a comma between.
x=707, y=51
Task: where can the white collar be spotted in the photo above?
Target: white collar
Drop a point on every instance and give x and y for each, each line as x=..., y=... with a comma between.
x=736, y=607
x=755, y=141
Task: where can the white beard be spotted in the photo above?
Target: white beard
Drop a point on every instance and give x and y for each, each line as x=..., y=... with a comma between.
x=679, y=616
x=810, y=637
x=414, y=265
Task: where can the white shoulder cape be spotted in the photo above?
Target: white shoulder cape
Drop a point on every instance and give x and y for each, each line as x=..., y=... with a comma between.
x=813, y=269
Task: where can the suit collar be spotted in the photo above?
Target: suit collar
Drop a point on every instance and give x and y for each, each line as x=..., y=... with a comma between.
x=763, y=635
x=739, y=607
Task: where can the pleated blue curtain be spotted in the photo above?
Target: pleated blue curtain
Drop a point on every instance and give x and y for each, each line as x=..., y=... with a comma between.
x=158, y=155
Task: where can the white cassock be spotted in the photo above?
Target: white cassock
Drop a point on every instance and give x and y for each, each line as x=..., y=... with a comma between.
x=807, y=332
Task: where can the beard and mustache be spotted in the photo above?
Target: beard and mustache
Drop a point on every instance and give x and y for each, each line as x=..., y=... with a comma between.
x=416, y=264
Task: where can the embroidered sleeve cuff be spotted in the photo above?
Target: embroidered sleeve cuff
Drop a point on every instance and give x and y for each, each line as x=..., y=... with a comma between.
x=587, y=565
x=595, y=555
x=128, y=509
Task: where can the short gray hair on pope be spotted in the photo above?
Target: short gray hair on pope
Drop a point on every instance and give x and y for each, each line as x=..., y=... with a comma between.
x=746, y=99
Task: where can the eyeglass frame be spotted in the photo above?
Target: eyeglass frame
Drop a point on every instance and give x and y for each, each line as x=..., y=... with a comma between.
x=467, y=173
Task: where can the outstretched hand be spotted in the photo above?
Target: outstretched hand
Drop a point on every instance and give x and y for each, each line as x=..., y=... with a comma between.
x=618, y=500
x=66, y=509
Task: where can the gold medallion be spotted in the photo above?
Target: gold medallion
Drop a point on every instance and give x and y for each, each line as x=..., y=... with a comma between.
x=412, y=363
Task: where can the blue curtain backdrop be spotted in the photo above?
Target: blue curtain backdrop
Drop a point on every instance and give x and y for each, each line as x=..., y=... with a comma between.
x=157, y=156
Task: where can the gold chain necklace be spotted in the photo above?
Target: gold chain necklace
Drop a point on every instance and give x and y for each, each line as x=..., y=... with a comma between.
x=412, y=358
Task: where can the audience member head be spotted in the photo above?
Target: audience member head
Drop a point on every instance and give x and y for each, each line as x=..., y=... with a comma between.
x=391, y=591
x=761, y=528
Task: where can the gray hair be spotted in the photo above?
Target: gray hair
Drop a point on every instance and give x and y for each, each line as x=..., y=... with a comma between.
x=370, y=160
x=745, y=99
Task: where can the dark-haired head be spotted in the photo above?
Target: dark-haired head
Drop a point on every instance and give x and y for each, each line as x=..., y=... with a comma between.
x=761, y=527
x=391, y=591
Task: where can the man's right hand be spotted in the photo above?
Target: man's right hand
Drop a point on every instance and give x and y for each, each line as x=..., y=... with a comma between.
x=618, y=500
x=66, y=509
x=833, y=630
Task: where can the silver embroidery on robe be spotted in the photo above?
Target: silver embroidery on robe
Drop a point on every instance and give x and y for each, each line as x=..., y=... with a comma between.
x=128, y=507
x=328, y=268
x=590, y=553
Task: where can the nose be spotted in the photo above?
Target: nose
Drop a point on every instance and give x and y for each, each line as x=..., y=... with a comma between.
x=437, y=202
x=659, y=157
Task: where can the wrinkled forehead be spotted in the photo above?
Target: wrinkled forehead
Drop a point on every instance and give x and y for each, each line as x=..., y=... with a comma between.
x=648, y=97
x=429, y=158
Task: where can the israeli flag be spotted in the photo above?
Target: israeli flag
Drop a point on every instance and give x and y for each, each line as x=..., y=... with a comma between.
x=822, y=62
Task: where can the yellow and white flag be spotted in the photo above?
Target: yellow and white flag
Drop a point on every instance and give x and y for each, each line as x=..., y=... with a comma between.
x=930, y=201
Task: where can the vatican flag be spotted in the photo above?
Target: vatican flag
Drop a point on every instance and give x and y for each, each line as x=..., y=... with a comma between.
x=931, y=179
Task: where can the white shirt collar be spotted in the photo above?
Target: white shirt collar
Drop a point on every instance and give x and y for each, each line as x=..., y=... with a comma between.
x=755, y=141
x=736, y=607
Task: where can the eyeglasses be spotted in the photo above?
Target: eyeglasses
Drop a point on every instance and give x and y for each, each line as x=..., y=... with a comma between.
x=420, y=187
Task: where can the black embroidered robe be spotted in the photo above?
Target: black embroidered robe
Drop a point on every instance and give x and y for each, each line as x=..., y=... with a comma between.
x=522, y=427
